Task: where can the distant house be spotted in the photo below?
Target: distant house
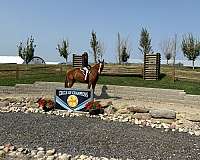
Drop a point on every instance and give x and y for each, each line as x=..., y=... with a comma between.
x=11, y=59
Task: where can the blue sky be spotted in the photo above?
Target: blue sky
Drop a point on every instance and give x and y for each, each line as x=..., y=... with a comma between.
x=49, y=21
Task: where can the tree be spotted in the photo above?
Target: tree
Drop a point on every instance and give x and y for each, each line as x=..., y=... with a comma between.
x=125, y=56
x=190, y=47
x=63, y=49
x=167, y=48
x=119, y=48
x=174, y=44
x=94, y=43
x=123, y=49
x=26, y=51
x=145, y=42
x=101, y=50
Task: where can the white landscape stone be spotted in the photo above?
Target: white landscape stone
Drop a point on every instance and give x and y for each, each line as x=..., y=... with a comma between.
x=1, y=147
x=164, y=113
x=197, y=133
x=40, y=149
x=50, y=158
x=50, y=152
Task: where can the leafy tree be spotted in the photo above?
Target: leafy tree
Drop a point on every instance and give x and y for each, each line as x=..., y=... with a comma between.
x=145, y=42
x=26, y=52
x=124, y=56
x=63, y=49
x=190, y=47
x=94, y=43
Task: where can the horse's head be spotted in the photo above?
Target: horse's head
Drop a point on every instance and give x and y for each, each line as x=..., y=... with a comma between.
x=100, y=65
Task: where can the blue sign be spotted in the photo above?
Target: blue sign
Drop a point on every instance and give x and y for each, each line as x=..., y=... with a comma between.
x=72, y=99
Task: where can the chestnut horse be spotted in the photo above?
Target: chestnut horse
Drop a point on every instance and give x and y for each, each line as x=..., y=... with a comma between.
x=77, y=75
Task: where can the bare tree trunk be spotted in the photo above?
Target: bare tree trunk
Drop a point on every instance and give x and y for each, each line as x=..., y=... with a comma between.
x=167, y=62
x=193, y=64
x=174, y=58
x=95, y=56
x=119, y=46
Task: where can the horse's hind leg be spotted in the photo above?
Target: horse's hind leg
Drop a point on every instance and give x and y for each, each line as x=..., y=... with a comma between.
x=93, y=86
x=71, y=83
x=66, y=83
x=89, y=85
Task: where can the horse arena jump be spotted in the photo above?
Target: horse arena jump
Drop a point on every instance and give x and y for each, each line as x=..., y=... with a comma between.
x=77, y=61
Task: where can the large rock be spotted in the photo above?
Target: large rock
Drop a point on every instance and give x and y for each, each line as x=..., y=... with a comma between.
x=110, y=110
x=162, y=120
x=143, y=116
x=123, y=111
x=138, y=109
x=4, y=104
x=156, y=113
x=193, y=117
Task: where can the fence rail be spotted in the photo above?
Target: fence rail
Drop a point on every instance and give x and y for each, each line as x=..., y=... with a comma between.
x=122, y=70
x=45, y=70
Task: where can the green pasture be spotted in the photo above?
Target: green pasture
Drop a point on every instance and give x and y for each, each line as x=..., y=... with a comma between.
x=56, y=73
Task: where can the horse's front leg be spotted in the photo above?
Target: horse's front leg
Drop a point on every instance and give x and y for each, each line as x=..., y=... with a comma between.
x=89, y=85
x=66, y=82
x=93, y=86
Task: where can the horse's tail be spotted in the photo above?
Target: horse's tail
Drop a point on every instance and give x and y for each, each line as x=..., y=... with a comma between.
x=66, y=82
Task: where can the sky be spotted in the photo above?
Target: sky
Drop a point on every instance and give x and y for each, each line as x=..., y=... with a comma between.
x=51, y=21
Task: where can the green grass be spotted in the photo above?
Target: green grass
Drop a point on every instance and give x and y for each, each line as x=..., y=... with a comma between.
x=52, y=74
x=165, y=82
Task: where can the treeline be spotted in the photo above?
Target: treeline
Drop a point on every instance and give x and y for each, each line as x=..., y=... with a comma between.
x=190, y=46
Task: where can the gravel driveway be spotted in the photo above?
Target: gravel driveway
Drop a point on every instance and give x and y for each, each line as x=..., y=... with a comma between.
x=92, y=136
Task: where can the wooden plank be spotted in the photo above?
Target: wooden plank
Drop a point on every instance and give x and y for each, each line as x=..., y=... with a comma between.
x=151, y=66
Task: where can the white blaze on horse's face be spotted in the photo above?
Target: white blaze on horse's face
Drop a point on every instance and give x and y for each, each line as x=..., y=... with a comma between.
x=99, y=71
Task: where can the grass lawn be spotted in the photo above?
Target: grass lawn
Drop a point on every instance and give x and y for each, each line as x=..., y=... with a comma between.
x=165, y=82
x=53, y=74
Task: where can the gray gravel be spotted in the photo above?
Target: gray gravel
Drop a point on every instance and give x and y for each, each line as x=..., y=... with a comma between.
x=92, y=136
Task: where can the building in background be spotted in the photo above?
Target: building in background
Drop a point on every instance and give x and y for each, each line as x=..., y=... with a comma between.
x=11, y=59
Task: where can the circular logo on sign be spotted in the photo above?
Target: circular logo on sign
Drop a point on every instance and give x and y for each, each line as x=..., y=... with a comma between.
x=72, y=101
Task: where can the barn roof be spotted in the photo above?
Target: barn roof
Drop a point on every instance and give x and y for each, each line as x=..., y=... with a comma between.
x=11, y=59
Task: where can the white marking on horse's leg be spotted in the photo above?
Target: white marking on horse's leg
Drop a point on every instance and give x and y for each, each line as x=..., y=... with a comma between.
x=99, y=68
